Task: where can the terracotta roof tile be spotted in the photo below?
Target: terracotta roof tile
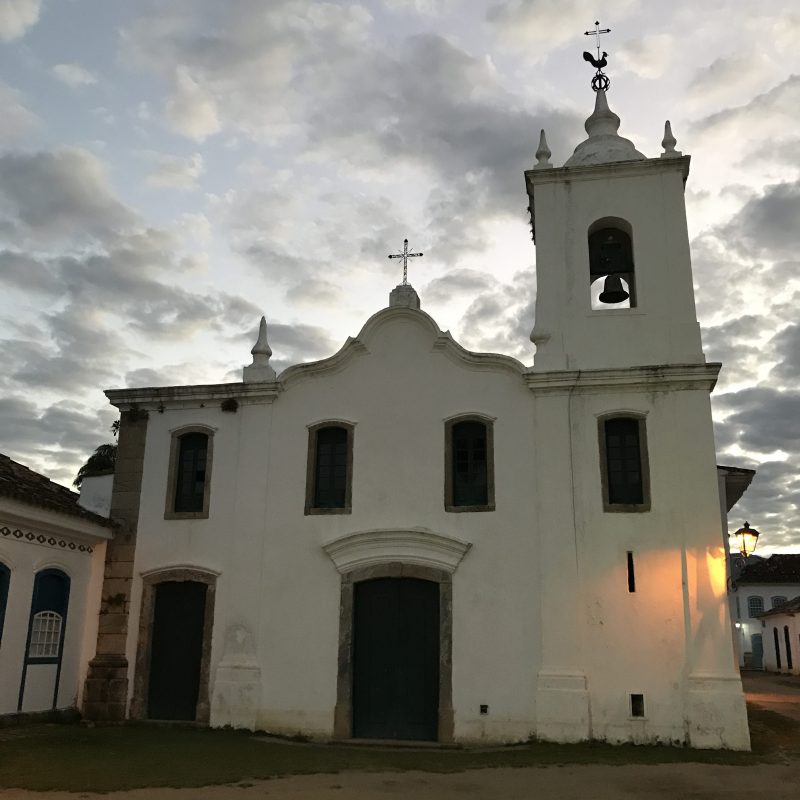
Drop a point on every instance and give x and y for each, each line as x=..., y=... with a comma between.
x=27, y=486
x=778, y=568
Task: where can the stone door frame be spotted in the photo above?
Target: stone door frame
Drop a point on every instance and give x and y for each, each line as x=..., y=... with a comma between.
x=343, y=714
x=141, y=679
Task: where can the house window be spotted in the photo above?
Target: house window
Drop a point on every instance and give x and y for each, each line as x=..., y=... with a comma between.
x=623, y=464
x=189, y=481
x=45, y=635
x=469, y=464
x=5, y=581
x=755, y=606
x=787, y=640
x=776, y=640
x=48, y=616
x=778, y=600
x=611, y=265
x=329, y=477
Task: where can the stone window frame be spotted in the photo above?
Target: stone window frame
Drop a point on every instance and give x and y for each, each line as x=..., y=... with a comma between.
x=620, y=224
x=343, y=712
x=172, y=475
x=488, y=421
x=311, y=464
x=644, y=462
x=141, y=678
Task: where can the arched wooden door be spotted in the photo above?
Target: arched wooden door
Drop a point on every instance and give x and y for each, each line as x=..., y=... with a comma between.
x=396, y=659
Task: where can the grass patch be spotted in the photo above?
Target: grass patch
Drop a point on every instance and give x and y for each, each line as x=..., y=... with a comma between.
x=76, y=758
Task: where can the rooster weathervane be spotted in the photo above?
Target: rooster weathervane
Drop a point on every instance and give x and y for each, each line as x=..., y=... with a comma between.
x=600, y=81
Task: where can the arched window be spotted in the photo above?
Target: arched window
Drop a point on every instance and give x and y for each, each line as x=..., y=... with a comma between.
x=777, y=643
x=330, y=467
x=623, y=463
x=755, y=606
x=48, y=617
x=611, y=273
x=189, y=482
x=778, y=600
x=469, y=465
x=5, y=582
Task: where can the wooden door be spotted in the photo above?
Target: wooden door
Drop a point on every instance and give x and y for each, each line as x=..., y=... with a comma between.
x=176, y=650
x=396, y=659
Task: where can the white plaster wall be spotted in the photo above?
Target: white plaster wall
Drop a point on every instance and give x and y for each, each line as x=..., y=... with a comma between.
x=750, y=625
x=540, y=597
x=96, y=493
x=275, y=578
x=662, y=328
x=770, y=660
x=25, y=559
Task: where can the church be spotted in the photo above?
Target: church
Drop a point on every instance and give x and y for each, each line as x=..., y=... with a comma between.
x=408, y=540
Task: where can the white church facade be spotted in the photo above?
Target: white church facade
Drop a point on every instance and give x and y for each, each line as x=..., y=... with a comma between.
x=408, y=540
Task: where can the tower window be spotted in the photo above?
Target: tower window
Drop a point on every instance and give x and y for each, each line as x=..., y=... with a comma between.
x=469, y=465
x=330, y=469
x=611, y=269
x=623, y=464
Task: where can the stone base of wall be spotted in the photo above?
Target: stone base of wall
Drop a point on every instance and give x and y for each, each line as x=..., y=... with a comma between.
x=106, y=691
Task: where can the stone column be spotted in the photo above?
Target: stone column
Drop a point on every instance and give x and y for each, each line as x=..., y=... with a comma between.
x=106, y=691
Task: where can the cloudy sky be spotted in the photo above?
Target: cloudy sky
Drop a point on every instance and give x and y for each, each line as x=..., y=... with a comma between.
x=169, y=171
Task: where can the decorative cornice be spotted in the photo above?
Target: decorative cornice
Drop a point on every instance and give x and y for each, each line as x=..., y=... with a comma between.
x=349, y=350
x=604, y=171
x=125, y=399
x=419, y=546
x=476, y=361
x=663, y=377
x=44, y=539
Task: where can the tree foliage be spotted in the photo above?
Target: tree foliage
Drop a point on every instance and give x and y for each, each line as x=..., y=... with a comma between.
x=103, y=458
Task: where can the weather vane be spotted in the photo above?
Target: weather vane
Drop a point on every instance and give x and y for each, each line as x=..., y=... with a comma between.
x=600, y=81
x=405, y=255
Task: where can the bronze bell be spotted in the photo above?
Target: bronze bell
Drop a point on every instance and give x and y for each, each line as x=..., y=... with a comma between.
x=613, y=291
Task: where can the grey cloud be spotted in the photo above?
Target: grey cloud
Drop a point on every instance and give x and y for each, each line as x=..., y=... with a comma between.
x=768, y=224
x=764, y=418
x=786, y=344
x=456, y=283
x=60, y=194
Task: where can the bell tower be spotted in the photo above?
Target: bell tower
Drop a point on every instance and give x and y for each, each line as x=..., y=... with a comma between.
x=612, y=254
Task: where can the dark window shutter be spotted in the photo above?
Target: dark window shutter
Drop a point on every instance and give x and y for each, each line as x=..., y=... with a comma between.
x=330, y=469
x=469, y=460
x=191, y=466
x=623, y=461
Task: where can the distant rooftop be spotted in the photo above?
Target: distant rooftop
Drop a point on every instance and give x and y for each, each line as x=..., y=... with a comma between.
x=778, y=568
x=23, y=484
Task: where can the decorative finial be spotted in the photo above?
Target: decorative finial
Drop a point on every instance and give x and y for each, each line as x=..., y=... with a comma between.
x=669, y=142
x=600, y=81
x=405, y=255
x=543, y=153
x=260, y=370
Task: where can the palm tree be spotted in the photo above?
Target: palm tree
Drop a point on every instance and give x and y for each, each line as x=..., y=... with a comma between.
x=103, y=458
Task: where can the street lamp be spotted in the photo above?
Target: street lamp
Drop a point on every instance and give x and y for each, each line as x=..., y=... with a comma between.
x=746, y=539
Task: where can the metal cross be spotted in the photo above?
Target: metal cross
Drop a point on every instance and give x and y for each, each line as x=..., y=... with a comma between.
x=405, y=255
x=597, y=33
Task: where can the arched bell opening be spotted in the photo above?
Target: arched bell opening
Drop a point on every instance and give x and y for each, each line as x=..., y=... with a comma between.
x=611, y=269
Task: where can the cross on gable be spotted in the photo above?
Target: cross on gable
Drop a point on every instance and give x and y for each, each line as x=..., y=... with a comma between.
x=405, y=255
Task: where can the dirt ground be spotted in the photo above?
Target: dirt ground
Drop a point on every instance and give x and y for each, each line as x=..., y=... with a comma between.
x=781, y=781
x=673, y=781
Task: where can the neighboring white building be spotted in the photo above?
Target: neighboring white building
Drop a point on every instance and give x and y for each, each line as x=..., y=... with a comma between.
x=781, y=631
x=760, y=585
x=52, y=552
x=412, y=540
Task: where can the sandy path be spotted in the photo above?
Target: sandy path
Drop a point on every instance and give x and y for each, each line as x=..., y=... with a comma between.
x=592, y=782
